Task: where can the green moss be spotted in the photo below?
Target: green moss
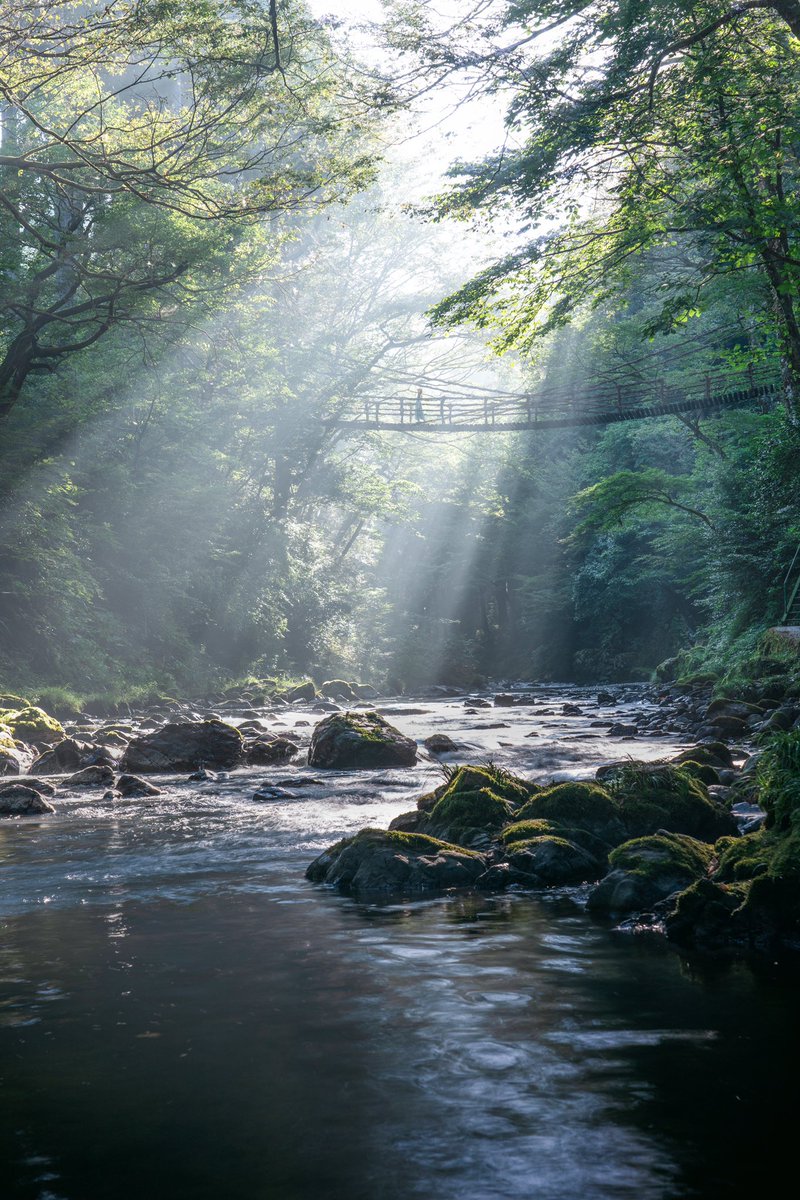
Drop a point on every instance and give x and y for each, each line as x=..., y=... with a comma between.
x=702, y=771
x=368, y=725
x=509, y=787
x=462, y=780
x=743, y=858
x=649, y=857
x=459, y=811
x=11, y=703
x=521, y=831
x=6, y=738
x=32, y=724
x=408, y=843
x=583, y=805
x=655, y=796
x=545, y=839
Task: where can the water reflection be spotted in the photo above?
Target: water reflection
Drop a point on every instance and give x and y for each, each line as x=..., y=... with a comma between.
x=182, y=1017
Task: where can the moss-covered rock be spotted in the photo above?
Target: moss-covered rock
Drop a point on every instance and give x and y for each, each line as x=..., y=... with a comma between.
x=350, y=741
x=522, y=831
x=646, y=870
x=661, y=796
x=578, y=805
x=712, y=754
x=468, y=816
x=385, y=861
x=705, y=915
x=551, y=861
x=474, y=803
x=706, y=774
x=753, y=898
x=9, y=701
x=32, y=724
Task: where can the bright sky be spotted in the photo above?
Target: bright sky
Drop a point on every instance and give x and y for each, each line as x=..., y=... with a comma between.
x=445, y=128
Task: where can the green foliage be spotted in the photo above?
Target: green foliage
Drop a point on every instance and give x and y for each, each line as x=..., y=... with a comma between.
x=779, y=781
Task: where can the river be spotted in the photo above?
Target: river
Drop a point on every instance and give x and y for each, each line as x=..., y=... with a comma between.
x=183, y=1017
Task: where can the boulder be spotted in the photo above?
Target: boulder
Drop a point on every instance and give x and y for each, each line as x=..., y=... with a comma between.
x=660, y=796
x=32, y=724
x=12, y=762
x=549, y=861
x=16, y=800
x=578, y=805
x=338, y=687
x=305, y=691
x=98, y=776
x=66, y=755
x=712, y=754
x=269, y=749
x=647, y=870
x=184, y=745
x=132, y=785
x=408, y=822
x=384, y=861
x=350, y=741
x=708, y=915
x=520, y=832
x=42, y=786
x=439, y=743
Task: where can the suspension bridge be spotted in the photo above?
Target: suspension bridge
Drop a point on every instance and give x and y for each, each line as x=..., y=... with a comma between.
x=441, y=408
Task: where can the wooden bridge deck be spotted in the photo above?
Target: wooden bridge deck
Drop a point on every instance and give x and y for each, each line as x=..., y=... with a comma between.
x=601, y=405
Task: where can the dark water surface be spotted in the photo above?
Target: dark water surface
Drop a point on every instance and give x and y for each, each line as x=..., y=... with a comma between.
x=182, y=1016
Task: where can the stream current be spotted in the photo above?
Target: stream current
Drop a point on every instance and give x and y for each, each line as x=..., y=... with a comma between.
x=183, y=1017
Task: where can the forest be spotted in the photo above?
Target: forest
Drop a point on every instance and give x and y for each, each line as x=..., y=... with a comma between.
x=399, y=599
x=212, y=247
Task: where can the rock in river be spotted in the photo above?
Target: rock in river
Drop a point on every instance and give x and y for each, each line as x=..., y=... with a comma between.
x=185, y=745
x=100, y=776
x=356, y=740
x=132, y=785
x=269, y=749
x=16, y=800
x=648, y=869
x=377, y=860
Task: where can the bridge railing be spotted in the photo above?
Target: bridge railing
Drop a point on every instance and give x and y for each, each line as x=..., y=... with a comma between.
x=608, y=400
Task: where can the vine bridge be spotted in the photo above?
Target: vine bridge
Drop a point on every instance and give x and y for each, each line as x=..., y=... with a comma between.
x=439, y=407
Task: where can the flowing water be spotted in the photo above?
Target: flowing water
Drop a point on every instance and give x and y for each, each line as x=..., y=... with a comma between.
x=183, y=1017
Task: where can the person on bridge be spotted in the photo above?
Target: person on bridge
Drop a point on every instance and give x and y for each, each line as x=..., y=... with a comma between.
x=419, y=412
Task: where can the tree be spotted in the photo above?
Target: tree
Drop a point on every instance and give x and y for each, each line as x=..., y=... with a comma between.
x=139, y=139
x=632, y=127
